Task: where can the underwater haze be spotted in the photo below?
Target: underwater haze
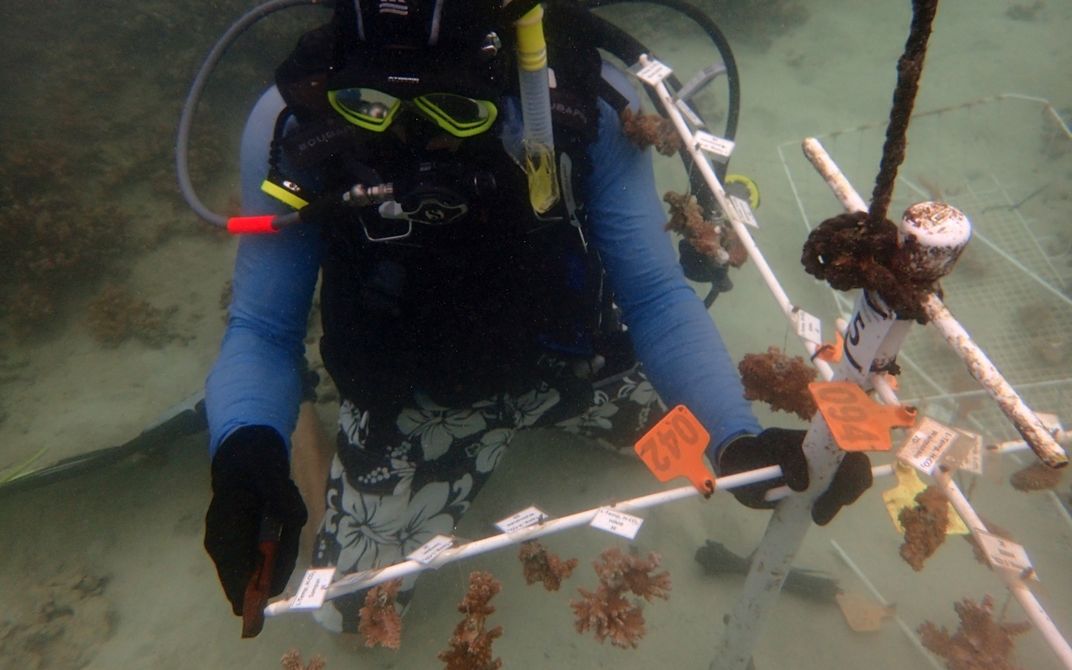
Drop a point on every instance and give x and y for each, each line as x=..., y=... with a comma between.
x=114, y=298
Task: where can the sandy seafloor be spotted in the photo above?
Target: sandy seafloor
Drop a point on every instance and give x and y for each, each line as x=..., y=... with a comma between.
x=137, y=524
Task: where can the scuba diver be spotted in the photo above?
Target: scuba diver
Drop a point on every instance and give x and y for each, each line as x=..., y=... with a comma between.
x=473, y=284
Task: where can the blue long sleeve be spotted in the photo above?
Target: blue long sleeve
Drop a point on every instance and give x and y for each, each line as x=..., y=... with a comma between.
x=674, y=337
x=256, y=381
x=256, y=378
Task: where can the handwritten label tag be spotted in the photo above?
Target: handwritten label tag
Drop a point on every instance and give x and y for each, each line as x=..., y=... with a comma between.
x=718, y=147
x=530, y=516
x=743, y=210
x=619, y=523
x=1006, y=555
x=427, y=552
x=969, y=452
x=652, y=72
x=314, y=586
x=927, y=444
x=807, y=326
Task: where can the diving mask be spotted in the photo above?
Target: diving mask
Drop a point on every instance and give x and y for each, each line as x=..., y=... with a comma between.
x=375, y=110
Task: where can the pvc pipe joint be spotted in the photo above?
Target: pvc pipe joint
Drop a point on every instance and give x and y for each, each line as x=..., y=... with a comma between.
x=941, y=231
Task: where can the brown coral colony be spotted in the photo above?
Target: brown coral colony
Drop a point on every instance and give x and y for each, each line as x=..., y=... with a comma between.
x=645, y=130
x=381, y=624
x=607, y=611
x=540, y=565
x=980, y=643
x=470, y=645
x=924, y=526
x=780, y=381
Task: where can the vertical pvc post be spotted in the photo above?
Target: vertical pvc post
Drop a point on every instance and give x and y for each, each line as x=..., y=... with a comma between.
x=872, y=341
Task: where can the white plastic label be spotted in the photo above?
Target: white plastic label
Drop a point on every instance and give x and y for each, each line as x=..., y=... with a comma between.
x=530, y=516
x=1006, y=555
x=969, y=448
x=619, y=523
x=716, y=146
x=652, y=72
x=743, y=210
x=314, y=586
x=927, y=444
x=808, y=326
x=427, y=552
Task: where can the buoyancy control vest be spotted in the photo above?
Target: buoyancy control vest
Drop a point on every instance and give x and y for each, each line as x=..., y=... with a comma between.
x=466, y=308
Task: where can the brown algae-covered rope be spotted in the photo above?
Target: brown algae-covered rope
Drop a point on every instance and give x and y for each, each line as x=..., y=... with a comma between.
x=909, y=69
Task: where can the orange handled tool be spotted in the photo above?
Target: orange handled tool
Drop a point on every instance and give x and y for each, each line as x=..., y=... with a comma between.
x=260, y=582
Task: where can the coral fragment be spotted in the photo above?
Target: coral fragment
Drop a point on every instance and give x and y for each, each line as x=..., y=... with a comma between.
x=381, y=624
x=606, y=611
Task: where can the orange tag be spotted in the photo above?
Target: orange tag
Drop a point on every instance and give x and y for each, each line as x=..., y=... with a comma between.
x=831, y=353
x=857, y=422
x=674, y=447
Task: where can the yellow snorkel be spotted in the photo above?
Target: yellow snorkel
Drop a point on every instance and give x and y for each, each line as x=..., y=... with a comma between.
x=538, y=139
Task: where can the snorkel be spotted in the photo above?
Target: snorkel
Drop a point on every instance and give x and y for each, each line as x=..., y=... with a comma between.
x=538, y=138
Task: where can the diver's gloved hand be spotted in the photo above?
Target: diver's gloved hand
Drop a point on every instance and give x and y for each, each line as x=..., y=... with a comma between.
x=784, y=447
x=251, y=481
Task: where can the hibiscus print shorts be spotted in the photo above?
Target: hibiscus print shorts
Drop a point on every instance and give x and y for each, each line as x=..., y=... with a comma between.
x=389, y=494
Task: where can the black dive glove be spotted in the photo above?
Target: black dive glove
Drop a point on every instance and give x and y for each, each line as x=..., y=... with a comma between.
x=780, y=446
x=250, y=484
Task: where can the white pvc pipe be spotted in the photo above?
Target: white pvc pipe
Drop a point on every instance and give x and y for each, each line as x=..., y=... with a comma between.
x=367, y=578
x=703, y=164
x=1026, y=422
x=990, y=378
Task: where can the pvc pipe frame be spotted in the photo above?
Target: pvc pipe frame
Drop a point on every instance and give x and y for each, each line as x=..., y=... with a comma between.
x=367, y=578
x=1036, y=436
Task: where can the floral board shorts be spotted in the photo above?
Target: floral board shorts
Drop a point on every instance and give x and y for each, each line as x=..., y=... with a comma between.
x=387, y=494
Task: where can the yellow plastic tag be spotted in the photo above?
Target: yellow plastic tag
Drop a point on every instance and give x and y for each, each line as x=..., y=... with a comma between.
x=903, y=496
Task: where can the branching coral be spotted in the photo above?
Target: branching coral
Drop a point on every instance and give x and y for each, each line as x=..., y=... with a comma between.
x=381, y=623
x=924, y=526
x=607, y=612
x=54, y=242
x=645, y=130
x=980, y=643
x=1036, y=477
x=714, y=241
x=292, y=661
x=470, y=645
x=541, y=565
x=780, y=381
x=115, y=315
